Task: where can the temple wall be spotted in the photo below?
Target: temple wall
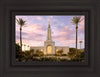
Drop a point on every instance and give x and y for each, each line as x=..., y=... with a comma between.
x=65, y=49
x=37, y=48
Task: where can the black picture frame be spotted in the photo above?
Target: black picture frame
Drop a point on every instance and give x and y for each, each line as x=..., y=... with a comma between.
x=10, y=69
x=13, y=13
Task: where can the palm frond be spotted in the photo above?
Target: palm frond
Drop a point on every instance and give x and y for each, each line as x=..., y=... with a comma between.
x=76, y=20
x=21, y=22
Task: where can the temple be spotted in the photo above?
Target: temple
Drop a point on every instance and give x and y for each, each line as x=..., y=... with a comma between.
x=49, y=45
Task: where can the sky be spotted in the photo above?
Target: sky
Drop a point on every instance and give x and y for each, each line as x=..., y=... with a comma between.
x=63, y=31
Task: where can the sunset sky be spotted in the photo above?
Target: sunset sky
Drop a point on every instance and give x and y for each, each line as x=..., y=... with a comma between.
x=34, y=32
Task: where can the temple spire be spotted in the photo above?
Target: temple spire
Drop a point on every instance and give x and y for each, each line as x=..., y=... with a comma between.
x=49, y=24
x=49, y=32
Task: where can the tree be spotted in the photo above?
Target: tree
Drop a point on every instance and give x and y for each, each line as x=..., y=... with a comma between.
x=17, y=48
x=19, y=55
x=80, y=43
x=59, y=52
x=75, y=21
x=72, y=52
x=32, y=51
x=72, y=55
x=37, y=51
x=21, y=22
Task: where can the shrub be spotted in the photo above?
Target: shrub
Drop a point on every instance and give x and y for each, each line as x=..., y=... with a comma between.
x=35, y=55
x=39, y=53
x=17, y=47
x=59, y=52
x=32, y=51
x=64, y=54
x=78, y=57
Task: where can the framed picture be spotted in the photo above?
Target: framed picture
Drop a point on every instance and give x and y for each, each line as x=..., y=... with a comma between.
x=41, y=40
x=29, y=36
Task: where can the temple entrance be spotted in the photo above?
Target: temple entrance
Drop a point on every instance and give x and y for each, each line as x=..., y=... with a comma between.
x=49, y=49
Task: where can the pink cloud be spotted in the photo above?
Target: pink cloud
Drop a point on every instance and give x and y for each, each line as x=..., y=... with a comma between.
x=48, y=19
x=51, y=16
x=30, y=42
x=67, y=33
x=39, y=18
x=69, y=42
x=32, y=32
x=33, y=28
x=64, y=34
x=82, y=25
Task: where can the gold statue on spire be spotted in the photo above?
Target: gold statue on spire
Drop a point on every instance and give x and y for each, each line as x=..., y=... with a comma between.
x=49, y=21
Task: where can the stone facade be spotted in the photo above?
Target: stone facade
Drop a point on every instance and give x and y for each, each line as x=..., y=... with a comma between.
x=49, y=45
x=64, y=48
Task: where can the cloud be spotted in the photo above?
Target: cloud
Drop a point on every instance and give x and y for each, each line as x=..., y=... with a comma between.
x=69, y=42
x=51, y=16
x=34, y=36
x=31, y=42
x=32, y=32
x=64, y=33
x=34, y=28
x=39, y=18
x=82, y=25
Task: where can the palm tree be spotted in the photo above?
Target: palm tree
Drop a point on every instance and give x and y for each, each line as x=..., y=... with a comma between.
x=75, y=21
x=80, y=43
x=21, y=22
